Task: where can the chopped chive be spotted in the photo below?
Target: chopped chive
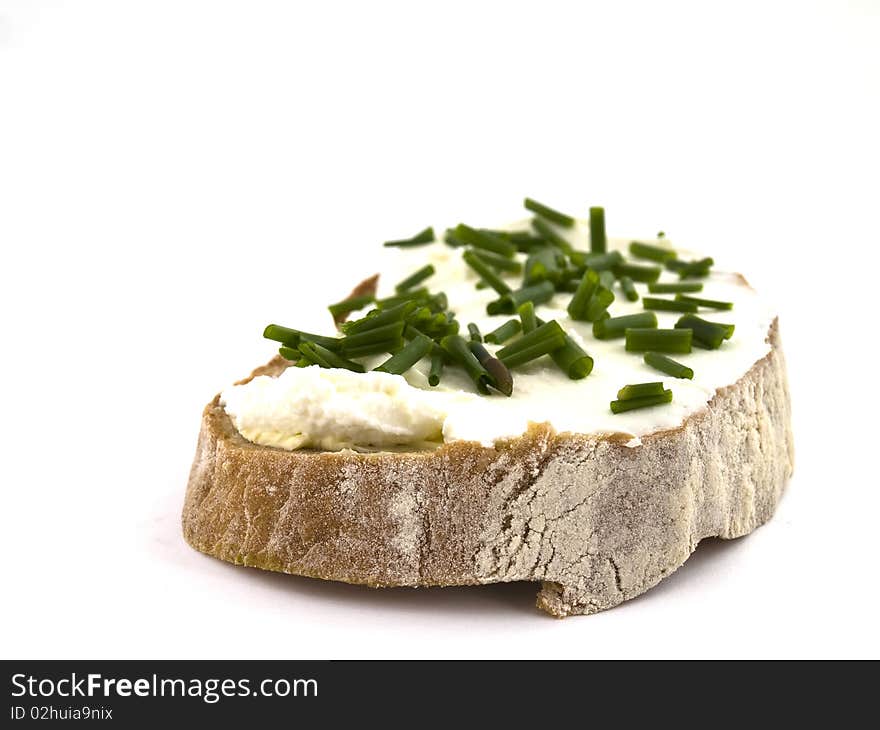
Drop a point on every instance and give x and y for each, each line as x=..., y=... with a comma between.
x=379, y=317
x=450, y=239
x=647, y=338
x=590, y=299
x=485, y=272
x=402, y=361
x=640, y=390
x=572, y=359
x=659, y=254
x=526, y=312
x=421, y=238
x=437, y=302
x=323, y=357
x=707, y=303
x=292, y=338
x=620, y=406
x=438, y=360
x=499, y=263
x=607, y=278
x=460, y=352
x=560, y=219
x=502, y=334
x=675, y=287
x=352, y=304
x=629, y=289
x=598, y=238
x=596, y=261
x=375, y=348
x=415, y=278
x=474, y=332
x=668, y=305
x=668, y=365
x=502, y=380
x=637, y=272
x=485, y=240
x=613, y=327
x=706, y=334
x=289, y=353
x=508, y=304
x=577, y=307
x=388, y=331
x=407, y=296
x=541, y=341
x=685, y=269
x=547, y=232
x=598, y=304
x=542, y=264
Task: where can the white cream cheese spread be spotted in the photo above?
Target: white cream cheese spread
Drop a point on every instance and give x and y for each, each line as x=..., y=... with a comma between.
x=333, y=409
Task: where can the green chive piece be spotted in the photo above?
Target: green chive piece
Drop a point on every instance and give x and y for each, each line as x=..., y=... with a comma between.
x=511, y=328
x=560, y=219
x=402, y=361
x=526, y=312
x=637, y=272
x=629, y=289
x=707, y=303
x=640, y=390
x=289, y=353
x=675, y=287
x=685, y=269
x=549, y=234
x=541, y=341
x=412, y=295
x=460, y=352
x=508, y=304
x=352, y=304
x=438, y=360
x=485, y=272
x=596, y=261
x=707, y=334
x=292, y=338
x=379, y=317
x=607, y=278
x=668, y=365
x=668, y=305
x=543, y=264
x=415, y=278
x=421, y=238
x=390, y=345
x=639, y=339
x=614, y=327
x=621, y=406
x=450, y=239
x=326, y=359
x=598, y=304
x=385, y=332
x=577, y=307
x=484, y=240
x=659, y=254
x=499, y=263
x=474, y=333
x=502, y=380
x=598, y=238
x=572, y=359
x=590, y=299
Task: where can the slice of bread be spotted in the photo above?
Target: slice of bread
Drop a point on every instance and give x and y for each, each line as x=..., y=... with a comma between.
x=595, y=521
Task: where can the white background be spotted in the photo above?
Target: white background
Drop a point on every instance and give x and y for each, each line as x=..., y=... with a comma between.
x=173, y=175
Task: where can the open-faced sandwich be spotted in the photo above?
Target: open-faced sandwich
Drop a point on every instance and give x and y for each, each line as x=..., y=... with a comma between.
x=538, y=403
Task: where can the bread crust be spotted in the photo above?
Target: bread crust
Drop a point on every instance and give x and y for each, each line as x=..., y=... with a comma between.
x=596, y=522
